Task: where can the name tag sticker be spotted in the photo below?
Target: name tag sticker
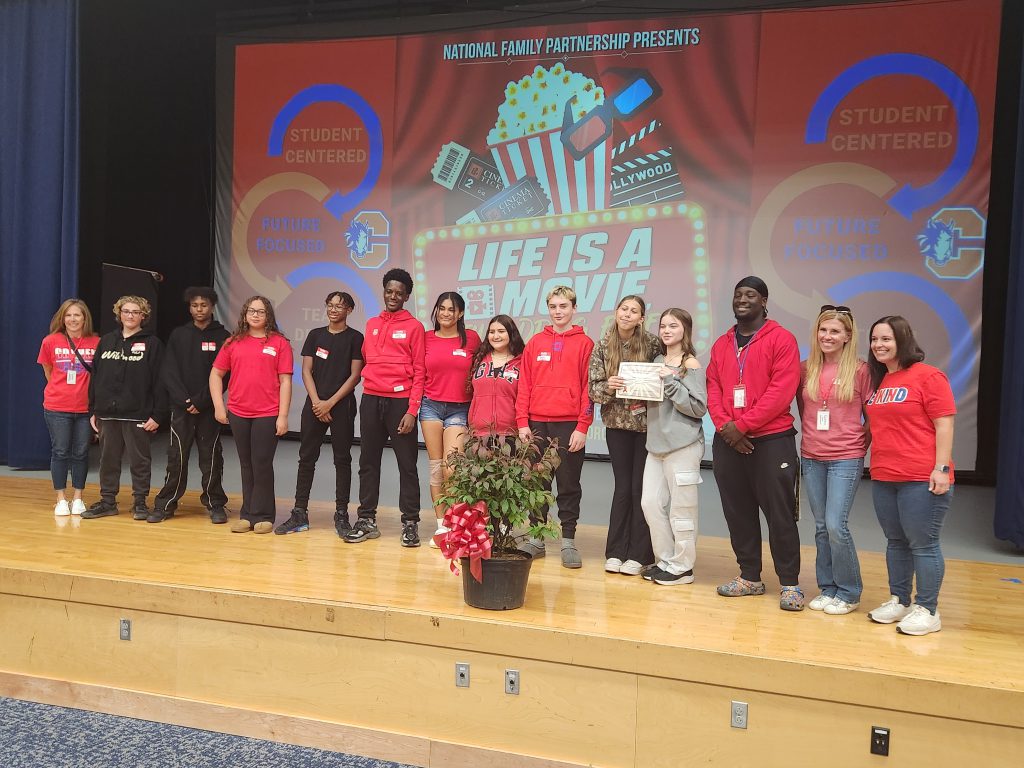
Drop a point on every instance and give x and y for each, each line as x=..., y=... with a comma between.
x=398, y=335
x=138, y=347
x=739, y=396
x=459, y=352
x=72, y=376
x=544, y=357
x=822, y=425
x=321, y=353
x=270, y=351
x=399, y=387
x=209, y=346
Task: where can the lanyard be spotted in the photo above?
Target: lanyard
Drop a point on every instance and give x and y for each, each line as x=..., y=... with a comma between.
x=831, y=386
x=741, y=354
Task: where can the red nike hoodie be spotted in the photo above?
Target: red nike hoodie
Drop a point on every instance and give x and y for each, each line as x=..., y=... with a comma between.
x=553, y=379
x=393, y=350
x=771, y=376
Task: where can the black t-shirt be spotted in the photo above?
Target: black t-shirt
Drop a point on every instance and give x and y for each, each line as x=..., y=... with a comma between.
x=332, y=355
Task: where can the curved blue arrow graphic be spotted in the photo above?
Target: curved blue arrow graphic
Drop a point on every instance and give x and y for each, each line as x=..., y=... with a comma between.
x=907, y=199
x=328, y=270
x=337, y=203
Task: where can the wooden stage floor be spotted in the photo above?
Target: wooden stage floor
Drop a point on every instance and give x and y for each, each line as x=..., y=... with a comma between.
x=597, y=652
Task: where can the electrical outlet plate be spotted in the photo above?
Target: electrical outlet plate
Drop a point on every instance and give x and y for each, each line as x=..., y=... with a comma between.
x=879, y=740
x=512, y=681
x=738, y=714
x=462, y=675
x=124, y=629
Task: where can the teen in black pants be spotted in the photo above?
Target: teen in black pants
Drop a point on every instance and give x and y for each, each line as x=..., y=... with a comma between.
x=191, y=351
x=332, y=359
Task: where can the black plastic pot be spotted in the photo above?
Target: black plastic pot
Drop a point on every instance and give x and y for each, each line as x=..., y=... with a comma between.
x=503, y=586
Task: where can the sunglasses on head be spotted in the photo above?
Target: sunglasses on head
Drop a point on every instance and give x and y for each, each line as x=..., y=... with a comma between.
x=840, y=310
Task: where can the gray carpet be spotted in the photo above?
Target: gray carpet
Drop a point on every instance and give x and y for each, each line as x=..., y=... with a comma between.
x=43, y=736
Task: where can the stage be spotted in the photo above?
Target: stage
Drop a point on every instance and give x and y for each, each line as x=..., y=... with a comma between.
x=305, y=639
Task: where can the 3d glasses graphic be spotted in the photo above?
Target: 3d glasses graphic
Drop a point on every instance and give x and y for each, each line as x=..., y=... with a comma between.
x=636, y=91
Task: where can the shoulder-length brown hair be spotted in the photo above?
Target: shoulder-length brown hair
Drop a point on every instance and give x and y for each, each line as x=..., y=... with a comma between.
x=57, y=321
x=908, y=351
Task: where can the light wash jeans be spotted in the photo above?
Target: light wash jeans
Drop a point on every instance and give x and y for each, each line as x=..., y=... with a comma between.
x=669, y=501
x=831, y=486
x=911, y=517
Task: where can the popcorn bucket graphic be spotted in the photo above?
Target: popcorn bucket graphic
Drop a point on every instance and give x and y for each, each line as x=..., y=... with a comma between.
x=571, y=185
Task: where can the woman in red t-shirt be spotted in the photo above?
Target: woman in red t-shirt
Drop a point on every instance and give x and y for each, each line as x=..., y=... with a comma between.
x=834, y=386
x=259, y=358
x=495, y=379
x=66, y=357
x=444, y=410
x=911, y=416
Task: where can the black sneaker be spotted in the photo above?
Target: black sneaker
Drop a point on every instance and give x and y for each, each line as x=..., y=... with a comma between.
x=297, y=522
x=410, y=534
x=670, y=579
x=100, y=509
x=159, y=515
x=140, y=511
x=218, y=515
x=341, y=524
x=648, y=572
x=365, y=528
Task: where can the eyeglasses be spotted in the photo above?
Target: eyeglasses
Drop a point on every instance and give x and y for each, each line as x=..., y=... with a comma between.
x=132, y=312
x=256, y=312
x=839, y=310
x=337, y=307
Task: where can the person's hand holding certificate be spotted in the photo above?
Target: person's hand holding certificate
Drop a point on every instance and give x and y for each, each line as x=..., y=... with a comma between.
x=643, y=381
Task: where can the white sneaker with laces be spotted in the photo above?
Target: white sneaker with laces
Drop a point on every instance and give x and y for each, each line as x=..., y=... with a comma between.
x=820, y=603
x=840, y=607
x=889, y=612
x=612, y=565
x=631, y=568
x=62, y=509
x=920, y=621
x=441, y=531
x=77, y=507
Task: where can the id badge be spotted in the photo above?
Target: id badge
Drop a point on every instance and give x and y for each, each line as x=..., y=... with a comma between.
x=72, y=376
x=823, y=421
x=739, y=396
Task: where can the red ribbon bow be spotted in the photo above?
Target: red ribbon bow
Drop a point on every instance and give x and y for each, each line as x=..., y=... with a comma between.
x=467, y=536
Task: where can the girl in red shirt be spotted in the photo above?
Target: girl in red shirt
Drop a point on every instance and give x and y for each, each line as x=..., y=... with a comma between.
x=259, y=358
x=495, y=379
x=66, y=357
x=444, y=410
x=911, y=415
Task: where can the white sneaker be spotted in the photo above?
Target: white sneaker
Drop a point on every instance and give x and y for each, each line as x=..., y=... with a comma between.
x=612, y=565
x=62, y=509
x=441, y=531
x=77, y=507
x=631, y=568
x=920, y=621
x=820, y=603
x=889, y=612
x=840, y=607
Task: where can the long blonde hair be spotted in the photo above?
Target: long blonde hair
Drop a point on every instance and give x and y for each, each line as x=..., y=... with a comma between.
x=843, y=390
x=57, y=322
x=638, y=348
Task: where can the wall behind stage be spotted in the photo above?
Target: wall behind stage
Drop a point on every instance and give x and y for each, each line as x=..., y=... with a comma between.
x=842, y=155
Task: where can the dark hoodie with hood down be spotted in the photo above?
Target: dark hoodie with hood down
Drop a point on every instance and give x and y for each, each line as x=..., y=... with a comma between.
x=187, y=363
x=553, y=379
x=125, y=381
x=393, y=350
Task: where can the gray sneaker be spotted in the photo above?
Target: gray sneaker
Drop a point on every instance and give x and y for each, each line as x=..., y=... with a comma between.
x=533, y=547
x=365, y=528
x=570, y=555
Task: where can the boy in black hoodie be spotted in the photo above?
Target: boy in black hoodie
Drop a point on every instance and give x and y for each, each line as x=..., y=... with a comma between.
x=191, y=350
x=127, y=405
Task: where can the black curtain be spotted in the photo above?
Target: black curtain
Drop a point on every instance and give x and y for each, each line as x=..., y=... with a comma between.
x=38, y=206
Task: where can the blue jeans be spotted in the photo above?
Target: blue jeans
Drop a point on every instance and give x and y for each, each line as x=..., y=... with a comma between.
x=911, y=518
x=831, y=486
x=69, y=447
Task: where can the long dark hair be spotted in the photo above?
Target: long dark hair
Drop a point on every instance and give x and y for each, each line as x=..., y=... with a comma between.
x=242, y=330
x=460, y=304
x=516, y=345
x=908, y=351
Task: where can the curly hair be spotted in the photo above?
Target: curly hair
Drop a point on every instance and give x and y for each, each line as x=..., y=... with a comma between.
x=147, y=310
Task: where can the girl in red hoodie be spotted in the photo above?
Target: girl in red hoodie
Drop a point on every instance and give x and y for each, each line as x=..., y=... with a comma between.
x=495, y=379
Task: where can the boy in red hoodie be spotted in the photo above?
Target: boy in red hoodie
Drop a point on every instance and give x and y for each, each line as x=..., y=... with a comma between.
x=552, y=401
x=393, y=376
x=753, y=376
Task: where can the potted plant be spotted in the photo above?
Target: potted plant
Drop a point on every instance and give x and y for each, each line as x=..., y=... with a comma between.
x=494, y=488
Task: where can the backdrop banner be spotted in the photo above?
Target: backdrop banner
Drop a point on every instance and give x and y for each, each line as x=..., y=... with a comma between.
x=666, y=158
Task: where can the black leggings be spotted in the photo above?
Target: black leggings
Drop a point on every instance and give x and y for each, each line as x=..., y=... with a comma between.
x=256, y=443
x=629, y=538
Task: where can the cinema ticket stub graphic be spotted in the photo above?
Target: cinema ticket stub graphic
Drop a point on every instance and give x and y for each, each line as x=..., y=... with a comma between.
x=459, y=169
x=523, y=199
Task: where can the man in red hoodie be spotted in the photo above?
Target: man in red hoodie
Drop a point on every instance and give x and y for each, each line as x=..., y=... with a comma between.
x=753, y=376
x=393, y=376
x=553, y=401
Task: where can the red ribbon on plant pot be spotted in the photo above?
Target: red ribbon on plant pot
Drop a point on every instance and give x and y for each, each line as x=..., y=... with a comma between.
x=467, y=536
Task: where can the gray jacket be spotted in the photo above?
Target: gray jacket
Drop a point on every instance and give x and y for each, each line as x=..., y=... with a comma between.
x=676, y=421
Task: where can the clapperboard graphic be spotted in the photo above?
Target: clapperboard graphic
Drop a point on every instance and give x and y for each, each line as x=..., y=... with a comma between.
x=643, y=177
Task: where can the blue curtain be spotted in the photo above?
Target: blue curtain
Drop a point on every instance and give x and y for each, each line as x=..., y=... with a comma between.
x=39, y=163
x=1009, y=517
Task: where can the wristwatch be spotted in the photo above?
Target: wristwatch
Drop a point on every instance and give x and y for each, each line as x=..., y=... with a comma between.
x=944, y=468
